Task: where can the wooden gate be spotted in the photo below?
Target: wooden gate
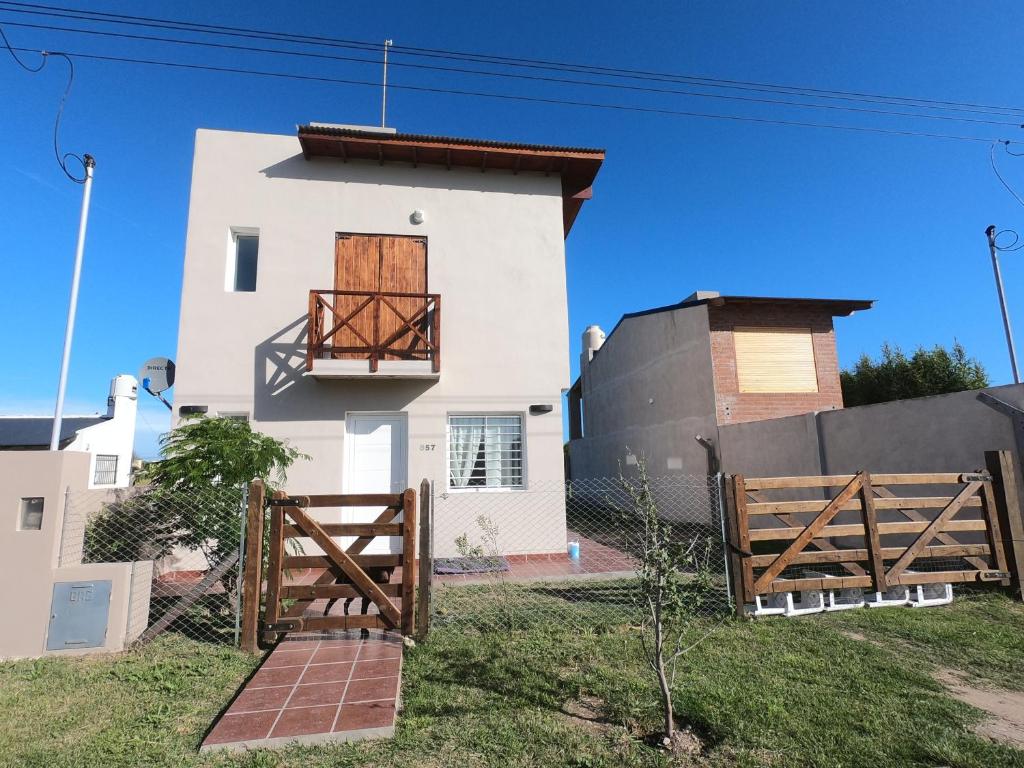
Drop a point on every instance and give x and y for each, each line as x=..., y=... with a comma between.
x=344, y=572
x=950, y=526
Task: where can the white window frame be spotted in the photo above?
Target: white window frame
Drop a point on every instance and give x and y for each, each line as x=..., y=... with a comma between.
x=231, y=263
x=525, y=483
x=96, y=468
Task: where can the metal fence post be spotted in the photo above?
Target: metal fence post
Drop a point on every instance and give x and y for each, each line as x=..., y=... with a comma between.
x=242, y=524
x=720, y=492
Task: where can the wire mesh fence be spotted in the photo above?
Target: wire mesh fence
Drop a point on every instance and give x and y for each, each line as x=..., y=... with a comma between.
x=567, y=553
x=184, y=549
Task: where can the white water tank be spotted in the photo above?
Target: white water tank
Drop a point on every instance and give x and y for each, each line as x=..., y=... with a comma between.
x=124, y=385
x=593, y=339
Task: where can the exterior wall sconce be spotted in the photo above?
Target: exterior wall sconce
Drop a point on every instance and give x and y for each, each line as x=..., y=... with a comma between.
x=537, y=410
x=418, y=217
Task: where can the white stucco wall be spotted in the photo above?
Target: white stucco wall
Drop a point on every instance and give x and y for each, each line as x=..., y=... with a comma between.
x=495, y=254
x=116, y=435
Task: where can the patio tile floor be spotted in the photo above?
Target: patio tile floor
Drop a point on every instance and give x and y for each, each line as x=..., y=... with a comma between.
x=311, y=691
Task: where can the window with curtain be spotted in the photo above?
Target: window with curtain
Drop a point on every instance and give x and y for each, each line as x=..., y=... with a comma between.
x=485, y=451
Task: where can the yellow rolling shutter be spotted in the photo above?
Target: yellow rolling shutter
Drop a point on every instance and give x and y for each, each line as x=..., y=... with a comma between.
x=775, y=360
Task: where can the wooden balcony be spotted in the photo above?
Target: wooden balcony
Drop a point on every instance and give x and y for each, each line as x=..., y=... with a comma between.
x=373, y=334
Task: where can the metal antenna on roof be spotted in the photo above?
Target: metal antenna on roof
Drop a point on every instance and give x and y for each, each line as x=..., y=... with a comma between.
x=384, y=86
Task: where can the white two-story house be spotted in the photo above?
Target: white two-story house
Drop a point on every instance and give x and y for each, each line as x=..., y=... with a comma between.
x=393, y=305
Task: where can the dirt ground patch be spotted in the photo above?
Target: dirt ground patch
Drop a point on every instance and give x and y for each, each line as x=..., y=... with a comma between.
x=1005, y=709
x=1005, y=722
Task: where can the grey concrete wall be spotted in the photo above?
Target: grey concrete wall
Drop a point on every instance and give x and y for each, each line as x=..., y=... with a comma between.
x=649, y=389
x=944, y=433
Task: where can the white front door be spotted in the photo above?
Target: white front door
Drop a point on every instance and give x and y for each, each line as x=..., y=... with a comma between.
x=375, y=462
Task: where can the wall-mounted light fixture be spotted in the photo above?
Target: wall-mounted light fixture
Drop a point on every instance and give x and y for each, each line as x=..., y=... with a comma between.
x=537, y=410
x=418, y=217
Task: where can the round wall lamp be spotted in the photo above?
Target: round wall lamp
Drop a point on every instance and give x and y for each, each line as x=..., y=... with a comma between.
x=418, y=217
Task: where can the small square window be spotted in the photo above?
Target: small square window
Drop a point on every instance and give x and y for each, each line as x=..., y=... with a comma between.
x=31, y=518
x=245, y=256
x=106, y=470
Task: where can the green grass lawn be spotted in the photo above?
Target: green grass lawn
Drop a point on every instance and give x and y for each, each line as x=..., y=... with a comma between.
x=774, y=692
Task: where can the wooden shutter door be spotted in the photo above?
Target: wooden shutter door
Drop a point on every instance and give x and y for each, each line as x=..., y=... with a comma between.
x=403, y=269
x=356, y=268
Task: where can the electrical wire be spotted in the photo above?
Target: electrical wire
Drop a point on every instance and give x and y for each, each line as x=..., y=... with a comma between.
x=62, y=159
x=23, y=65
x=532, y=99
x=563, y=81
x=995, y=169
x=114, y=18
x=1014, y=246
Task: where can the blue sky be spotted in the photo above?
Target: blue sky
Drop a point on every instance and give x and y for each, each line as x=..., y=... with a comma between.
x=681, y=204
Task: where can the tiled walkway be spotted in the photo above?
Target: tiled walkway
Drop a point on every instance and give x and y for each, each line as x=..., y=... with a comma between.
x=311, y=691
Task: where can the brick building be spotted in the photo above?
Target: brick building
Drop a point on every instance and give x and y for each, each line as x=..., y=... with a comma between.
x=667, y=376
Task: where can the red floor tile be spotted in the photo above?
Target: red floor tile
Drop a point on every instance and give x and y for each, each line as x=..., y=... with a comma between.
x=372, y=689
x=376, y=668
x=257, y=699
x=371, y=651
x=232, y=728
x=300, y=722
x=280, y=658
x=354, y=717
x=318, y=693
x=327, y=673
x=332, y=654
x=279, y=676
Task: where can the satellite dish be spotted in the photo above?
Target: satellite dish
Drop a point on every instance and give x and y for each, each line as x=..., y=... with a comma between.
x=157, y=375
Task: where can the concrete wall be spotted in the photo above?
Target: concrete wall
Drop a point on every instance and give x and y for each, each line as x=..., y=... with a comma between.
x=945, y=433
x=650, y=389
x=29, y=558
x=495, y=254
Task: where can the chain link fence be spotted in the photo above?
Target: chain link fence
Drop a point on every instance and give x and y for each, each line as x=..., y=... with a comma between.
x=185, y=550
x=565, y=553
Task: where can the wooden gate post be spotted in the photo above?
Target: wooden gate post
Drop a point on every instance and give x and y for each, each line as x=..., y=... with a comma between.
x=252, y=576
x=426, y=563
x=408, y=562
x=1002, y=466
x=733, y=485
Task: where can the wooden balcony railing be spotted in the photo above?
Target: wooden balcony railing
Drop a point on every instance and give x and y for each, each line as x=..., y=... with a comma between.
x=374, y=326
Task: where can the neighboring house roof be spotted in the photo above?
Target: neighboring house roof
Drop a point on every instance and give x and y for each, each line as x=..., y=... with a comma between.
x=28, y=432
x=836, y=307
x=578, y=166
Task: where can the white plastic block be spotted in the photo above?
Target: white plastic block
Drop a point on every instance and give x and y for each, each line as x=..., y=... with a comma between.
x=894, y=596
x=811, y=601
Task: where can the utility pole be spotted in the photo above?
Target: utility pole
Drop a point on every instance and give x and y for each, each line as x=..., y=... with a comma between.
x=990, y=233
x=384, y=86
x=69, y=331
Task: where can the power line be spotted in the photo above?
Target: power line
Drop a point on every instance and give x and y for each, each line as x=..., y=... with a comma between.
x=62, y=159
x=534, y=78
x=995, y=169
x=115, y=18
x=533, y=99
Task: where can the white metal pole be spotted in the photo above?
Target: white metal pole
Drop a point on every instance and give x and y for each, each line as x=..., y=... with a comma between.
x=990, y=233
x=384, y=87
x=69, y=331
